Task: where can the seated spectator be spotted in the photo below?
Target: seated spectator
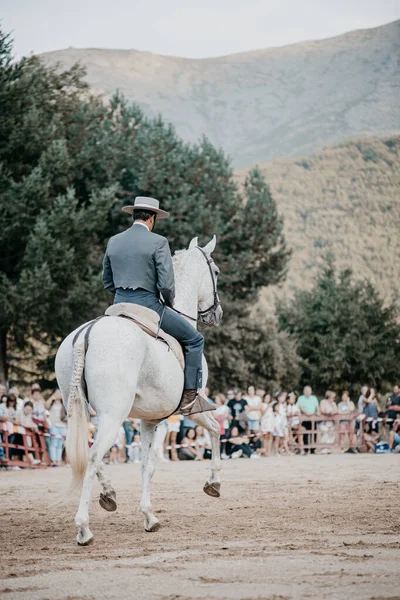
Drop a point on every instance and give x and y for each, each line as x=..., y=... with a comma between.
x=253, y=410
x=266, y=424
x=189, y=449
x=346, y=428
x=369, y=438
x=394, y=437
x=203, y=442
x=237, y=445
x=58, y=427
x=328, y=408
x=237, y=407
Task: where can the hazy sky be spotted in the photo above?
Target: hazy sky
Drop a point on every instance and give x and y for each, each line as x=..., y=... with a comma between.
x=191, y=28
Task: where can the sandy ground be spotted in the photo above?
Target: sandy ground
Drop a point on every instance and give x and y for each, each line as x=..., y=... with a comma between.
x=298, y=527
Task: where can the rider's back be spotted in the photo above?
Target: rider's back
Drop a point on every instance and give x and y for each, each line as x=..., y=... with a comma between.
x=139, y=259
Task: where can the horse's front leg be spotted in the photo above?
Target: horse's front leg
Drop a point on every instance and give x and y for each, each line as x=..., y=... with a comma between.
x=213, y=484
x=151, y=523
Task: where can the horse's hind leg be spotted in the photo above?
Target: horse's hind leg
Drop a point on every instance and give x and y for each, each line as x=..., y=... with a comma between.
x=151, y=523
x=106, y=436
x=213, y=484
x=108, y=497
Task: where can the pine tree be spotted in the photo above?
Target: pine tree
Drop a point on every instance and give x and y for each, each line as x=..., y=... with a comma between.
x=345, y=333
x=68, y=162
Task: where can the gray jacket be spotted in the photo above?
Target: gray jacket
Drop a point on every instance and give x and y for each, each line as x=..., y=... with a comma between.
x=138, y=258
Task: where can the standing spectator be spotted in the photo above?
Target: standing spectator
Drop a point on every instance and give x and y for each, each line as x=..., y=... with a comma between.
x=8, y=410
x=20, y=401
x=25, y=419
x=253, y=410
x=293, y=418
x=346, y=428
x=39, y=409
x=309, y=406
x=393, y=405
x=117, y=447
x=159, y=439
x=237, y=407
x=174, y=425
x=267, y=424
x=58, y=427
x=328, y=408
x=394, y=437
x=360, y=404
x=371, y=409
x=134, y=450
x=128, y=429
x=282, y=398
x=222, y=413
x=279, y=422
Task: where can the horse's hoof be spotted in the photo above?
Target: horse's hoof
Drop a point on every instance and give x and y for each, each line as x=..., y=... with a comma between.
x=154, y=527
x=85, y=541
x=212, y=489
x=107, y=501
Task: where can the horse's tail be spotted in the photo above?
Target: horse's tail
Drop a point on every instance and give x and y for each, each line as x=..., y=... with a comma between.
x=77, y=434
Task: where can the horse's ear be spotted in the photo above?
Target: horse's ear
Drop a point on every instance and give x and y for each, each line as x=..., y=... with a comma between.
x=194, y=243
x=210, y=247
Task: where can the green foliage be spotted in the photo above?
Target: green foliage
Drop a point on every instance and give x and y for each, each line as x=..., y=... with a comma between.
x=346, y=336
x=68, y=162
x=249, y=349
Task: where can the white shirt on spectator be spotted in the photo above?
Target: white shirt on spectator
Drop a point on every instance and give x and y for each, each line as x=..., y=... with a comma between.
x=254, y=402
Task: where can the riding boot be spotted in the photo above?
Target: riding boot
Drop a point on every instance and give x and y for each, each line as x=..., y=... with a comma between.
x=192, y=403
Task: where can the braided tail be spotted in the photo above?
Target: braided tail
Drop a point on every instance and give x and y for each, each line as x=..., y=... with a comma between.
x=77, y=434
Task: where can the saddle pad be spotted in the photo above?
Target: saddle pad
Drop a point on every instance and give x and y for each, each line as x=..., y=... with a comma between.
x=150, y=320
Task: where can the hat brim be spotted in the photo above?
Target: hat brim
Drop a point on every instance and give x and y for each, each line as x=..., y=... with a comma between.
x=161, y=214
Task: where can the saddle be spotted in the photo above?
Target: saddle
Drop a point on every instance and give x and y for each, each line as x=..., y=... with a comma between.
x=149, y=321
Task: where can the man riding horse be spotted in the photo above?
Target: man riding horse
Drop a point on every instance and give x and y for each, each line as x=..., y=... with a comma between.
x=138, y=268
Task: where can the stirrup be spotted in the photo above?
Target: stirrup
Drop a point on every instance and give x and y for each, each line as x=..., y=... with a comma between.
x=199, y=405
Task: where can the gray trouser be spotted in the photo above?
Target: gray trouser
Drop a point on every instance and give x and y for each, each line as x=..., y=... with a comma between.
x=191, y=340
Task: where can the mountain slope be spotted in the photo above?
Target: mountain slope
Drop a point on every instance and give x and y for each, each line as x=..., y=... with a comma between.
x=346, y=200
x=266, y=104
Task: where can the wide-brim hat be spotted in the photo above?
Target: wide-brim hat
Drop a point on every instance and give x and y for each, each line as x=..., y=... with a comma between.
x=146, y=203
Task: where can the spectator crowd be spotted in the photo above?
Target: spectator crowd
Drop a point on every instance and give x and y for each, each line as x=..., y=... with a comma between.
x=253, y=425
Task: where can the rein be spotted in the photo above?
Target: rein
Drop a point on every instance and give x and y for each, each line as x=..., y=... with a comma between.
x=201, y=314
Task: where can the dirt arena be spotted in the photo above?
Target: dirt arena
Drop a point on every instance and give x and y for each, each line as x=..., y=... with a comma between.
x=299, y=527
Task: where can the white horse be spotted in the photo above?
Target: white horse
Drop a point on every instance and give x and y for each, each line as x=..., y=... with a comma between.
x=129, y=373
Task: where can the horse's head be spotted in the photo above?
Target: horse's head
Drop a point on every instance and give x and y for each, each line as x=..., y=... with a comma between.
x=209, y=307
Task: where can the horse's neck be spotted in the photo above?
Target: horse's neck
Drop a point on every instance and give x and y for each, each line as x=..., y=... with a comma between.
x=186, y=291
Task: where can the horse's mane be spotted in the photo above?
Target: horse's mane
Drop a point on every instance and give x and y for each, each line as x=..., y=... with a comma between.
x=178, y=258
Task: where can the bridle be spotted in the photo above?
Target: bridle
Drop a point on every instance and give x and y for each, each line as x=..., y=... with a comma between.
x=206, y=317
